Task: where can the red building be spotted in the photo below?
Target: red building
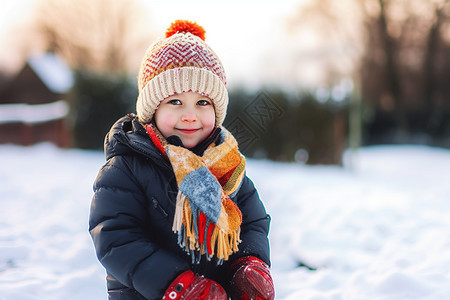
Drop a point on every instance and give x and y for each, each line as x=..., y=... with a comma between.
x=33, y=104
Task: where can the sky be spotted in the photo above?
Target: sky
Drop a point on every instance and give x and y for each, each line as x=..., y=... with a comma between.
x=249, y=36
x=13, y=11
x=242, y=33
x=12, y=14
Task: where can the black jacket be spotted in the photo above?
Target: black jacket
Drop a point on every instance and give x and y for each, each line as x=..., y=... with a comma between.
x=132, y=213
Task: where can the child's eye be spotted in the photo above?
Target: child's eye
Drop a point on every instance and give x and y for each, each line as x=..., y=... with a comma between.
x=203, y=102
x=175, y=102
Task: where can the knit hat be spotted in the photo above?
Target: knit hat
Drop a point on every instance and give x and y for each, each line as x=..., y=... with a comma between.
x=181, y=62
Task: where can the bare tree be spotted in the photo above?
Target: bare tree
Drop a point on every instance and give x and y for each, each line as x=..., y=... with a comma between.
x=430, y=72
x=334, y=25
x=408, y=34
x=98, y=35
x=404, y=58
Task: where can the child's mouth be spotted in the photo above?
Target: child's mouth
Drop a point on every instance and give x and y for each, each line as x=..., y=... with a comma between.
x=188, y=131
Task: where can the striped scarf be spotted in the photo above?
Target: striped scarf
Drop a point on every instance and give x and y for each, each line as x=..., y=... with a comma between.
x=206, y=220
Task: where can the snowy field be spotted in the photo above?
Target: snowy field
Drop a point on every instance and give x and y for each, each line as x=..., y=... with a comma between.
x=378, y=230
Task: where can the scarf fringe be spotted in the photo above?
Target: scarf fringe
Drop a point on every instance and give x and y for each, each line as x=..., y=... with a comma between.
x=198, y=236
x=178, y=219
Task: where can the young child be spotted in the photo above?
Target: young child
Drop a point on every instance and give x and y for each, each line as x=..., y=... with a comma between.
x=173, y=214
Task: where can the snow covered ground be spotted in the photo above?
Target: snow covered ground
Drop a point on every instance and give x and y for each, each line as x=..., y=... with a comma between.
x=377, y=231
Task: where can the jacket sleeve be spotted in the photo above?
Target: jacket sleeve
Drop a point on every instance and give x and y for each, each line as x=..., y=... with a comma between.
x=255, y=223
x=117, y=225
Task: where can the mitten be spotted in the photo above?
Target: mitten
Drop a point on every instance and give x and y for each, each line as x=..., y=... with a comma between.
x=190, y=286
x=251, y=280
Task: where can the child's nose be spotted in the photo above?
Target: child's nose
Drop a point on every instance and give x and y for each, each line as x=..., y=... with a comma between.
x=189, y=116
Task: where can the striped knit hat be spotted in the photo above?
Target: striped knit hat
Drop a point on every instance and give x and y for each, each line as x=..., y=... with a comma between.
x=181, y=62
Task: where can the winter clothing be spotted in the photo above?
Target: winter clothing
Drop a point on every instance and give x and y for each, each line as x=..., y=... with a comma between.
x=204, y=214
x=251, y=279
x=133, y=211
x=181, y=62
x=189, y=286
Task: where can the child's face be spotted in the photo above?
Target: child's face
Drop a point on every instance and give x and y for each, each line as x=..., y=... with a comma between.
x=190, y=116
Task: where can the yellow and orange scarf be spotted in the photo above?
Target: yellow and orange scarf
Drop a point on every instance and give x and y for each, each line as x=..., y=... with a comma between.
x=206, y=220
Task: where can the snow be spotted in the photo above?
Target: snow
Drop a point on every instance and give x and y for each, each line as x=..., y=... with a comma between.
x=26, y=113
x=379, y=230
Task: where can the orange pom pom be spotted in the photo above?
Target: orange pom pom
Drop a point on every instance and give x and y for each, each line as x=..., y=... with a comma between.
x=185, y=26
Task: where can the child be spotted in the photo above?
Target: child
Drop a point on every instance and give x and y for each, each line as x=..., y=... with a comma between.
x=173, y=215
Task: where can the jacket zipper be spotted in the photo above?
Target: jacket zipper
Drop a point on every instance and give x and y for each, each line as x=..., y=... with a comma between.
x=158, y=207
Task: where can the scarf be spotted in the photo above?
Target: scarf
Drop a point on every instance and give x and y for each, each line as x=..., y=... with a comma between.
x=206, y=220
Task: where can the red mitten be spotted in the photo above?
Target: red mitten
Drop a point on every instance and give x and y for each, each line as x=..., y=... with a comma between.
x=251, y=280
x=190, y=286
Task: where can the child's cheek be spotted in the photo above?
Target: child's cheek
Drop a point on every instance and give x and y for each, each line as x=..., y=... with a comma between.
x=210, y=119
x=166, y=124
x=211, y=122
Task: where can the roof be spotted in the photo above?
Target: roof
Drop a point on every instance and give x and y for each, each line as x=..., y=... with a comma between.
x=53, y=72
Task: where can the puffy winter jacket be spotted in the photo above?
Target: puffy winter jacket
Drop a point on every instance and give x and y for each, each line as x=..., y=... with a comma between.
x=132, y=213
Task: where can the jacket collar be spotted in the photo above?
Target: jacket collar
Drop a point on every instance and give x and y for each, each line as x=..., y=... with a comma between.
x=127, y=136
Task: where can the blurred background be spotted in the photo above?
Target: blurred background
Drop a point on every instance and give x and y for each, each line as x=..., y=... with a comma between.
x=307, y=79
